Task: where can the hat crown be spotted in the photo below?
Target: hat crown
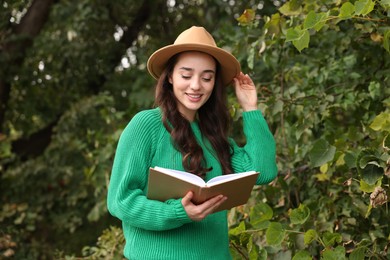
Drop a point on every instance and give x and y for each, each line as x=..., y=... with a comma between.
x=195, y=35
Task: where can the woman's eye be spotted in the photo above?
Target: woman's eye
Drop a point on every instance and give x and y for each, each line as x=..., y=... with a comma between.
x=207, y=79
x=185, y=77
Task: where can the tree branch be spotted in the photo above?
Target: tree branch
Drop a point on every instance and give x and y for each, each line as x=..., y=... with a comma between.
x=37, y=142
x=13, y=51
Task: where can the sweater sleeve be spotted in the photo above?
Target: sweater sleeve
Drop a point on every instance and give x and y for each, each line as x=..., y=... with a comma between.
x=259, y=152
x=126, y=199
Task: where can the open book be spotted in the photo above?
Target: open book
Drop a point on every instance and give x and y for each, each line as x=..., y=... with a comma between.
x=167, y=184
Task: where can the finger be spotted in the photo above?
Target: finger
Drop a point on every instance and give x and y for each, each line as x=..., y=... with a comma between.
x=236, y=82
x=187, y=198
x=214, y=206
x=248, y=79
x=209, y=205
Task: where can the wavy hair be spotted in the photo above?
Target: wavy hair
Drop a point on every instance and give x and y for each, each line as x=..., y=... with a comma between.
x=213, y=118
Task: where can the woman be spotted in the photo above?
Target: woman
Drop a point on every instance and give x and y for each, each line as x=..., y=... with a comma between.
x=187, y=131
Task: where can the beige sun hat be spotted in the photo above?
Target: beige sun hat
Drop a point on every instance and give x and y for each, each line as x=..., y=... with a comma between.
x=195, y=39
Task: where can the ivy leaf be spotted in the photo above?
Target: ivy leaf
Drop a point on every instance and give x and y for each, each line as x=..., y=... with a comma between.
x=291, y=8
x=302, y=255
x=260, y=213
x=251, y=55
x=369, y=166
x=336, y=254
x=358, y=253
x=385, y=3
x=237, y=230
x=293, y=34
x=302, y=42
x=368, y=188
x=278, y=107
x=386, y=143
x=386, y=39
x=364, y=7
x=247, y=17
x=310, y=236
x=381, y=122
x=346, y=10
x=314, y=20
x=273, y=25
x=300, y=38
x=253, y=249
x=372, y=173
x=275, y=234
x=299, y=215
x=321, y=153
x=331, y=238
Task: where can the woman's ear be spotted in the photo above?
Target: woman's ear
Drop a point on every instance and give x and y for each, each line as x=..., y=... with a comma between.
x=170, y=78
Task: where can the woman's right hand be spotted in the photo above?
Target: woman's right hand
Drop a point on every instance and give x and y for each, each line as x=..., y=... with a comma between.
x=199, y=212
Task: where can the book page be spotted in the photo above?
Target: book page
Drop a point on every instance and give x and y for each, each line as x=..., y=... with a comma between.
x=186, y=176
x=228, y=177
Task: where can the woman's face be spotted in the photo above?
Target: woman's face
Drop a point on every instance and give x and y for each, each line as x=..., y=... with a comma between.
x=193, y=79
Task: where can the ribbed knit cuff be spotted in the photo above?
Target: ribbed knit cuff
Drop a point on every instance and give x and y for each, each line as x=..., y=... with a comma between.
x=181, y=214
x=252, y=114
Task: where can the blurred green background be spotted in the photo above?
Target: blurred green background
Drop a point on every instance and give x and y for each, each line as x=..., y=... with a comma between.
x=73, y=73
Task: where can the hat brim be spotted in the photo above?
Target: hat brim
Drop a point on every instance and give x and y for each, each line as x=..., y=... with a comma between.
x=230, y=67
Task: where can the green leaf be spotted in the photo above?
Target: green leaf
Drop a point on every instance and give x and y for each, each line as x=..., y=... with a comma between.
x=364, y=7
x=358, y=253
x=330, y=239
x=293, y=34
x=369, y=166
x=303, y=42
x=350, y=160
x=365, y=187
x=275, y=234
x=251, y=55
x=372, y=173
x=300, y=38
x=310, y=236
x=247, y=17
x=263, y=255
x=321, y=153
x=337, y=254
x=314, y=20
x=385, y=3
x=302, y=255
x=278, y=107
x=253, y=249
x=366, y=156
x=299, y=215
x=260, y=213
x=386, y=143
x=291, y=8
x=375, y=89
x=386, y=40
x=346, y=10
x=381, y=122
x=238, y=230
x=273, y=25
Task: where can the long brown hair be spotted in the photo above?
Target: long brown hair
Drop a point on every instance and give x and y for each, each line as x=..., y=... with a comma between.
x=214, y=121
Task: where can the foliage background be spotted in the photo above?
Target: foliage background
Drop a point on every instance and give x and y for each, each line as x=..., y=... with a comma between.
x=72, y=74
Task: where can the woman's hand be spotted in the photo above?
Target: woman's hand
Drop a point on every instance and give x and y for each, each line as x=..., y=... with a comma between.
x=246, y=92
x=199, y=212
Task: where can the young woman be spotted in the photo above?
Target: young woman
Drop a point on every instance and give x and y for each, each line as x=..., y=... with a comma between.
x=187, y=131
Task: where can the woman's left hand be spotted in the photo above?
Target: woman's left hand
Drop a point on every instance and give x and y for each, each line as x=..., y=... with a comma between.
x=246, y=92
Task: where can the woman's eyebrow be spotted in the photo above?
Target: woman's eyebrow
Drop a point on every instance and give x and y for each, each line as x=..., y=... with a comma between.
x=190, y=69
x=186, y=68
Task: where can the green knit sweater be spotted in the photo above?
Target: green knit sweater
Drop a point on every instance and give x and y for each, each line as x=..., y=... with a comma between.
x=162, y=230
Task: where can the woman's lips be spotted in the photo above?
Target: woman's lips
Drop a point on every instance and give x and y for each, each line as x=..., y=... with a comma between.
x=194, y=97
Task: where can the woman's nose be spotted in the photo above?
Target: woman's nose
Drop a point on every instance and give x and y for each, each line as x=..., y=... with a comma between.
x=195, y=83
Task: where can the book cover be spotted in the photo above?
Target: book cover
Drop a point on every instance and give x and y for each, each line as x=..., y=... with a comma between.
x=167, y=184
